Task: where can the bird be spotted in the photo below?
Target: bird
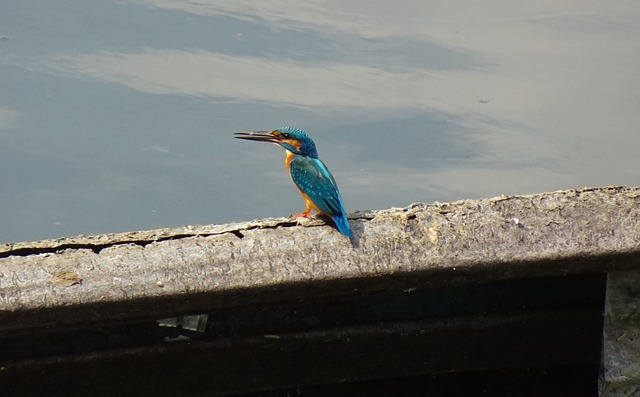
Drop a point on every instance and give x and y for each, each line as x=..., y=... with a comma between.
x=310, y=175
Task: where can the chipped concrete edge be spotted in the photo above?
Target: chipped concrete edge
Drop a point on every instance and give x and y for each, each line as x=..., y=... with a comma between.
x=143, y=237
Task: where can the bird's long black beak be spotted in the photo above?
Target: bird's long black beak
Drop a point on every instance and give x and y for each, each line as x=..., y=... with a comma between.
x=262, y=136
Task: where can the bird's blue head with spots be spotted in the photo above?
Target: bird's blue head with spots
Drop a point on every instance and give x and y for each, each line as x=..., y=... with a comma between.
x=292, y=139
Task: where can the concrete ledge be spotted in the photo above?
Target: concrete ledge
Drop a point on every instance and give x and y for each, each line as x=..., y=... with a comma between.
x=54, y=287
x=577, y=231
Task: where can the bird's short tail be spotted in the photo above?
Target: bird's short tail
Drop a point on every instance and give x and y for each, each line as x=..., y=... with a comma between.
x=343, y=224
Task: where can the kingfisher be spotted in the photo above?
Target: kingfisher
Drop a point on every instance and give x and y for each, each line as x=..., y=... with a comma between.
x=310, y=175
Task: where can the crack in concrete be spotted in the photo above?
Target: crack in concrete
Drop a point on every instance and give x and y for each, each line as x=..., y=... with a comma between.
x=158, y=235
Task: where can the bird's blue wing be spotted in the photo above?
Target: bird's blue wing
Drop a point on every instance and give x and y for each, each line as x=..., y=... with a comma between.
x=314, y=179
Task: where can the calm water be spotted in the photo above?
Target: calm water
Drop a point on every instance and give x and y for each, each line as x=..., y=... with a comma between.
x=118, y=116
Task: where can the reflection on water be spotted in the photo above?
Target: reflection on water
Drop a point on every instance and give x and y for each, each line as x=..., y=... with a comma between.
x=118, y=116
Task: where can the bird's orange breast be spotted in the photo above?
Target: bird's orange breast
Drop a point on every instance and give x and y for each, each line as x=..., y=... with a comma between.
x=287, y=161
x=310, y=203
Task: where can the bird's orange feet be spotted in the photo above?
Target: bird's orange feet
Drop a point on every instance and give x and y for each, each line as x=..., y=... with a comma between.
x=307, y=214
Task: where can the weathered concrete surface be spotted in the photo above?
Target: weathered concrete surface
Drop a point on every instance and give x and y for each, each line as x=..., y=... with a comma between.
x=193, y=267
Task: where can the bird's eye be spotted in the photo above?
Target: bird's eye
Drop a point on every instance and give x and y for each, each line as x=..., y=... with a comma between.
x=286, y=135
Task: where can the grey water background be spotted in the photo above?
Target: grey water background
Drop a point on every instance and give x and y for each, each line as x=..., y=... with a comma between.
x=118, y=115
